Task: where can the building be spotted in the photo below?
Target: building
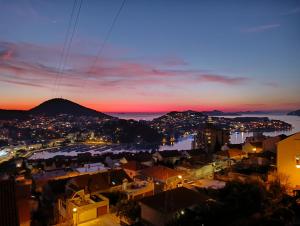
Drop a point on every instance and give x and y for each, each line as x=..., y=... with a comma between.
x=23, y=199
x=253, y=147
x=15, y=205
x=81, y=202
x=144, y=158
x=91, y=168
x=168, y=157
x=231, y=154
x=114, y=180
x=211, y=138
x=164, y=178
x=159, y=209
x=139, y=189
x=82, y=208
x=257, y=137
x=196, y=169
x=8, y=204
x=42, y=178
x=270, y=143
x=133, y=168
x=288, y=160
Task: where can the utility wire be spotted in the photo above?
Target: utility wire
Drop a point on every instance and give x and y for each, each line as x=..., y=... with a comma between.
x=69, y=45
x=62, y=55
x=100, y=51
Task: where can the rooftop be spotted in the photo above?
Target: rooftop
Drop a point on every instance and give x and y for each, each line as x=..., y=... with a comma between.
x=174, y=200
x=133, y=165
x=160, y=172
x=100, y=181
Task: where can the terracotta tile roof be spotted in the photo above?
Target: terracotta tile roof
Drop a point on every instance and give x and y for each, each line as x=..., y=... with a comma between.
x=160, y=172
x=133, y=165
x=173, y=200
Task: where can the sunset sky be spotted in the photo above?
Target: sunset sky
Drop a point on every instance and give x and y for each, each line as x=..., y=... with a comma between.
x=160, y=55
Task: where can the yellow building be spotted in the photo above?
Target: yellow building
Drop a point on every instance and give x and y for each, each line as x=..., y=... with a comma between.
x=288, y=160
x=83, y=208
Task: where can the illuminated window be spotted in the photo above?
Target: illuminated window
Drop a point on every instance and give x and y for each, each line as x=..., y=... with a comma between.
x=298, y=161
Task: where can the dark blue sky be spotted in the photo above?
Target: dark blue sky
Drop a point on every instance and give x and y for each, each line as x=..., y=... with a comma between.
x=161, y=55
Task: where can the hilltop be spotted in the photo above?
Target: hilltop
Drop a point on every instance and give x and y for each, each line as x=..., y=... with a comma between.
x=297, y=112
x=53, y=107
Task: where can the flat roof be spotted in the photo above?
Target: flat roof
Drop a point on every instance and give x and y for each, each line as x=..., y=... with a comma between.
x=174, y=200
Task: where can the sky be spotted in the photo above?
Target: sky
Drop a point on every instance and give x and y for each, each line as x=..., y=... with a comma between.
x=151, y=56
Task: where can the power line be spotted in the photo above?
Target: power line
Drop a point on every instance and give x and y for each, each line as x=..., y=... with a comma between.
x=100, y=51
x=62, y=55
x=69, y=45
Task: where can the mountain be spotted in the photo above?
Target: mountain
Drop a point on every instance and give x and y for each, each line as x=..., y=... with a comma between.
x=297, y=112
x=62, y=106
x=53, y=107
x=12, y=114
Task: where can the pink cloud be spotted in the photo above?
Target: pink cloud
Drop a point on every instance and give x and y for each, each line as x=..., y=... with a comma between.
x=37, y=65
x=222, y=79
x=6, y=55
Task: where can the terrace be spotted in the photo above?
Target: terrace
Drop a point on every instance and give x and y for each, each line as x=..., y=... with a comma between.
x=139, y=189
x=83, y=208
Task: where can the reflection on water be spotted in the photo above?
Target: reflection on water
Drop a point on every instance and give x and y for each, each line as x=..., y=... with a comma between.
x=237, y=138
x=234, y=138
x=185, y=143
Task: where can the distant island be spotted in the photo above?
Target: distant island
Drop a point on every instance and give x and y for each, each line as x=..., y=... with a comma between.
x=297, y=113
x=63, y=119
x=176, y=124
x=237, y=113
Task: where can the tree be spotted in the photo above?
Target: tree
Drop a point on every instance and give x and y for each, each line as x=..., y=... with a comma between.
x=128, y=210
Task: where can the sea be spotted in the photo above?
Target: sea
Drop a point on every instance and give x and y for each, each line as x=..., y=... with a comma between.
x=235, y=138
x=185, y=143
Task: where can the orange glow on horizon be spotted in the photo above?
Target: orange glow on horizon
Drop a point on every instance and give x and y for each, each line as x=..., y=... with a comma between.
x=117, y=107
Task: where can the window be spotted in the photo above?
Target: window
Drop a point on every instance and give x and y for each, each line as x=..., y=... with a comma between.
x=298, y=161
